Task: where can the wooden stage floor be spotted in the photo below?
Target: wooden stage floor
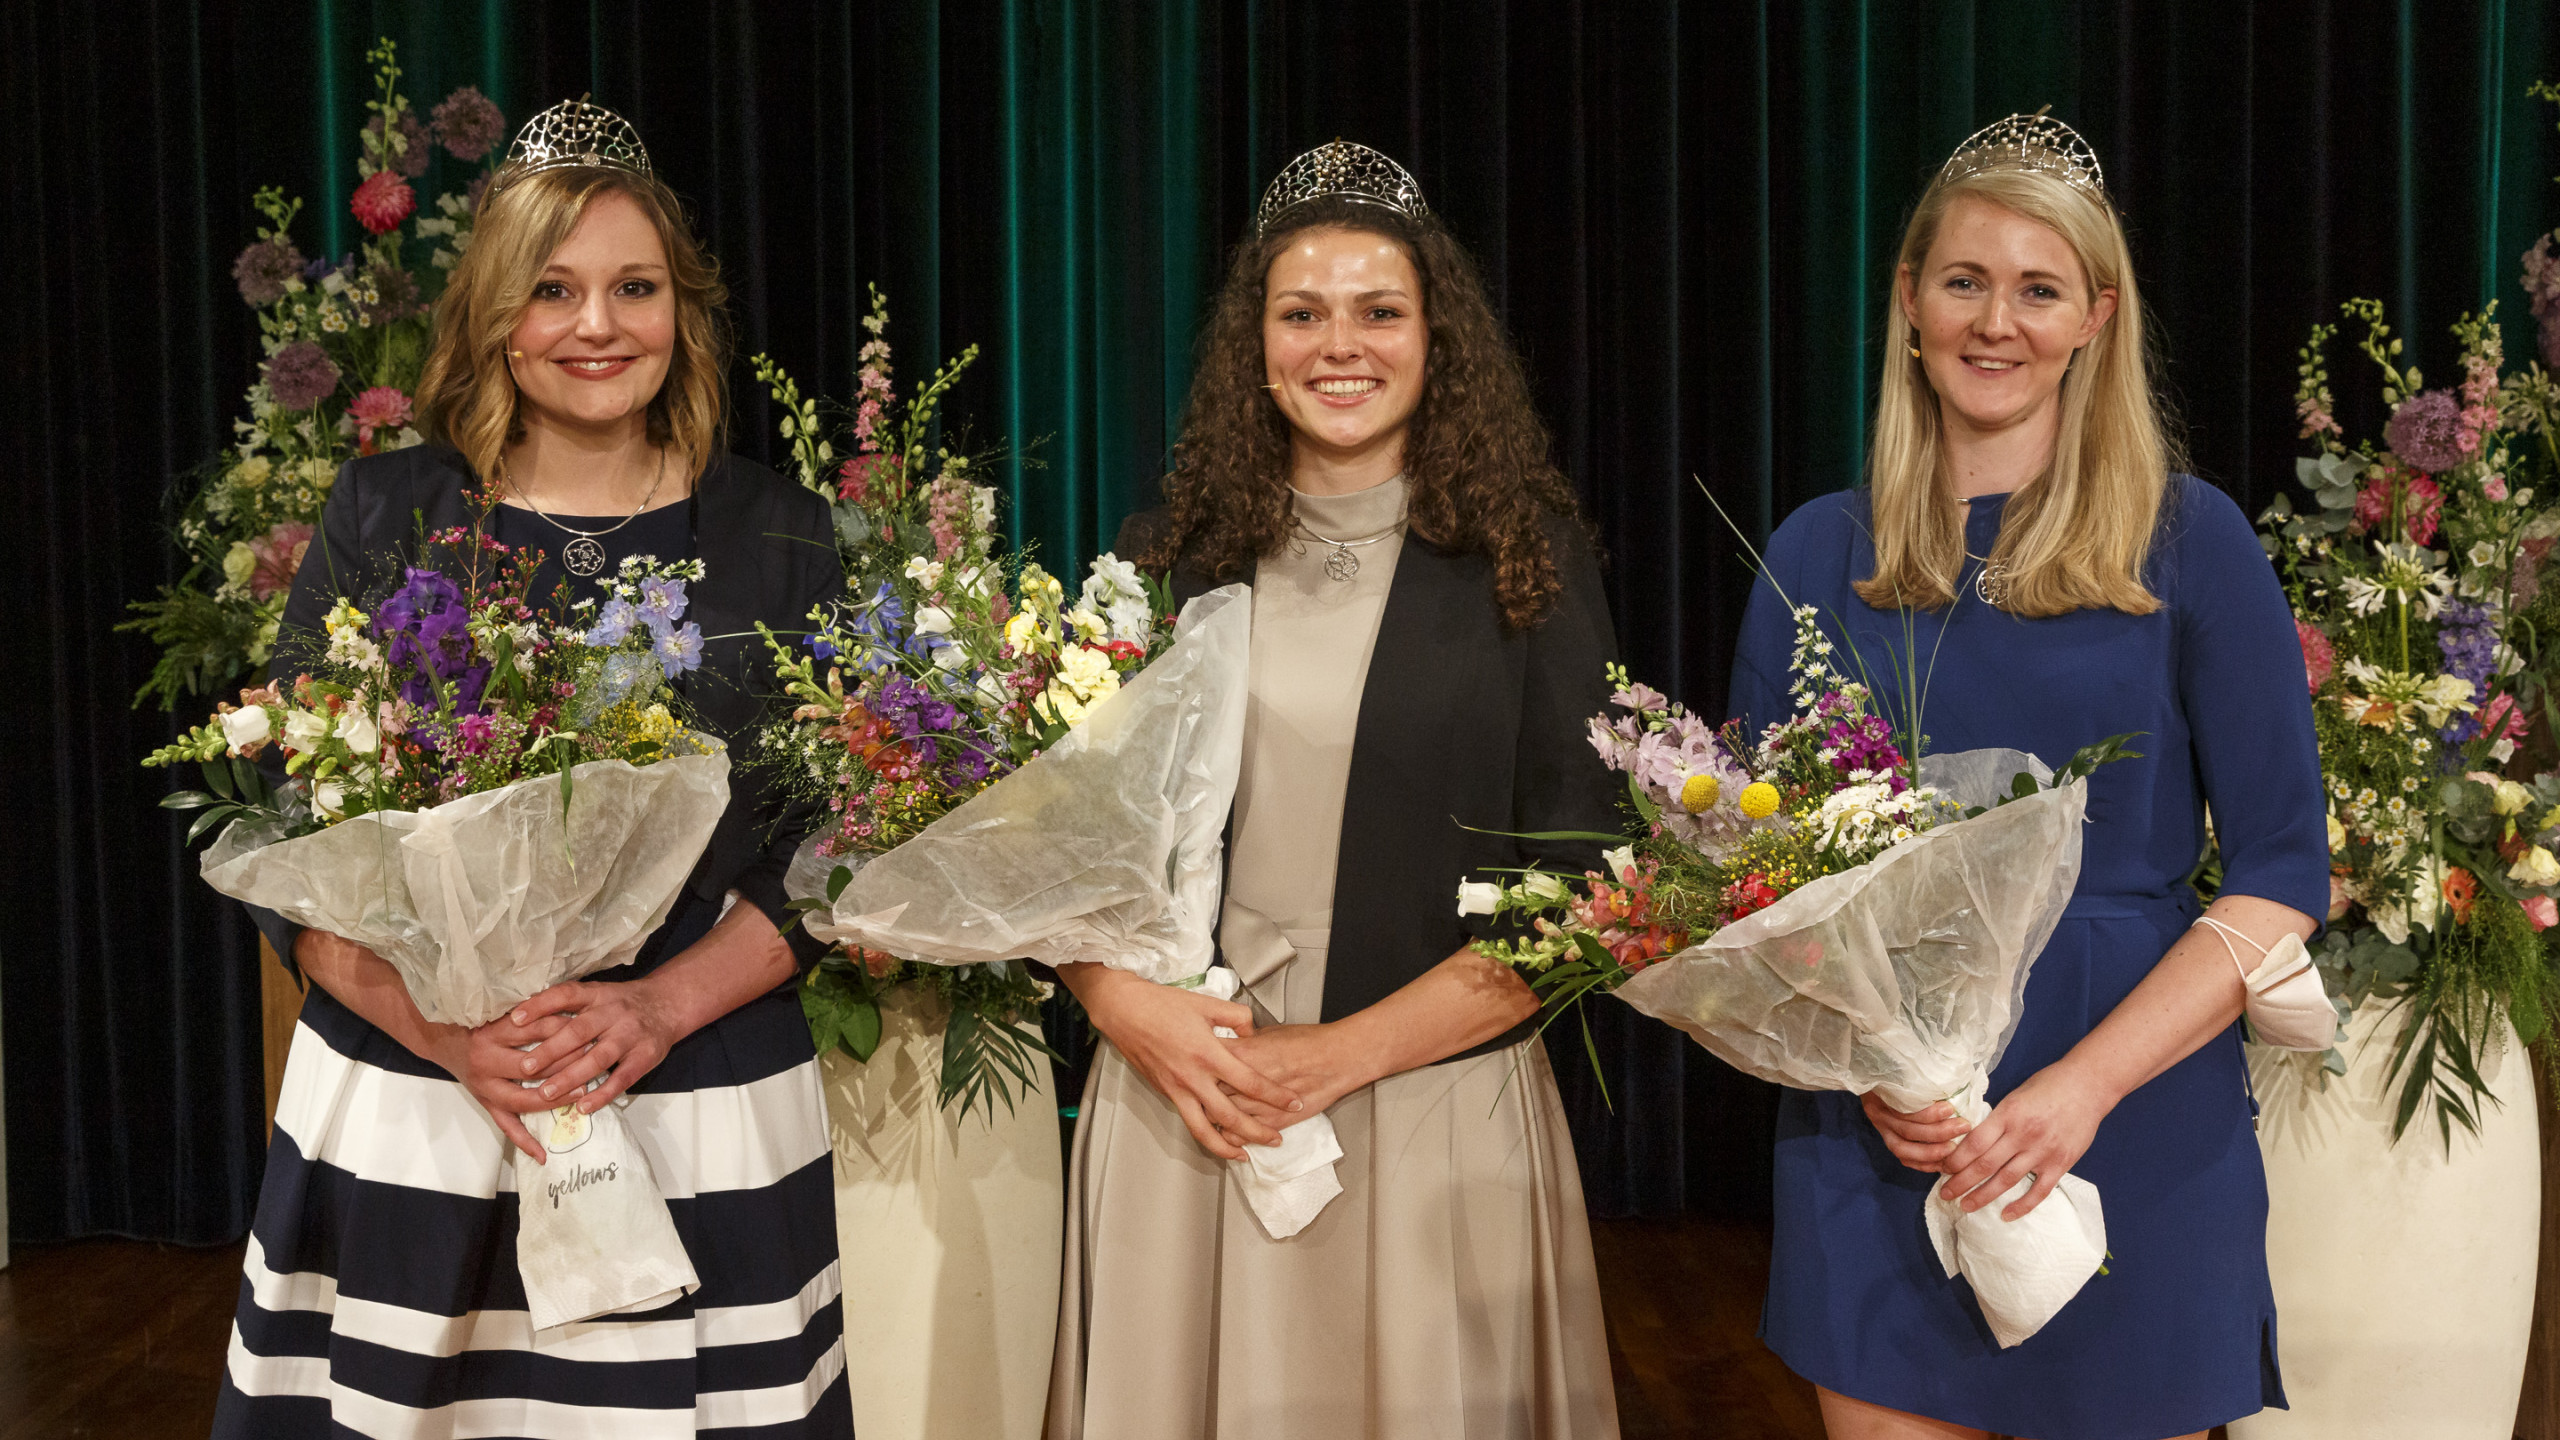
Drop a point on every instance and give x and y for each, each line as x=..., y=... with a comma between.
x=122, y=1340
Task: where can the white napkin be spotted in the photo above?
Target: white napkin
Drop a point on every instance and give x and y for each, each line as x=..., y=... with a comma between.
x=593, y=1236
x=2022, y=1271
x=1290, y=1183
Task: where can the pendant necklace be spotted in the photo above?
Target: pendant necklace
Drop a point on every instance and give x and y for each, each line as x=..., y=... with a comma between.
x=583, y=557
x=1340, y=564
x=1991, y=582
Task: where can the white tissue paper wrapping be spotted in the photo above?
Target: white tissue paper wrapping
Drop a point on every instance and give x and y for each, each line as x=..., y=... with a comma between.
x=1904, y=977
x=483, y=901
x=1107, y=848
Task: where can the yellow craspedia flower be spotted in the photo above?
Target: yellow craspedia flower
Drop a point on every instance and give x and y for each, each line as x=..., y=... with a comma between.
x=1699, y=793
x=1759, y=800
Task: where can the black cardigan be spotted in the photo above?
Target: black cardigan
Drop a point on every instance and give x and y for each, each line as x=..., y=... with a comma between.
x=768, y=553
x=1463, y=722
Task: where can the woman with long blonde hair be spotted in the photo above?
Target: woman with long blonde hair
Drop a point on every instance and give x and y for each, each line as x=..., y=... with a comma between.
x=2025, y=550
x=577, y=374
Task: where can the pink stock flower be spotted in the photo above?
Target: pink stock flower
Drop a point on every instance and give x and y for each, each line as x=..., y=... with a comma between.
x=279, y=553
x=2316, y=420
x=2319, y=657
x=2542, y=911
x=2495, y=487
x=382, y=202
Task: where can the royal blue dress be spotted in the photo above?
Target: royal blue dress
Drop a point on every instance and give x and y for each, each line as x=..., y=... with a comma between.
x=2180, y=1335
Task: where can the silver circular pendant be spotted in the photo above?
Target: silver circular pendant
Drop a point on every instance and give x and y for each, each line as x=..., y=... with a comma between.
x=582, y=557
x=1341, y=564
x=1992, y=584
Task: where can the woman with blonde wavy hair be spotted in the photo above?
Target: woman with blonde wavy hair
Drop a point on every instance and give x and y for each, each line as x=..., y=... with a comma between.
x=2025, y=568
x=576, y=378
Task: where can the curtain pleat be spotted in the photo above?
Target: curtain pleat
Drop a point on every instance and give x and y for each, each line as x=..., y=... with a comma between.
x=1686, y=213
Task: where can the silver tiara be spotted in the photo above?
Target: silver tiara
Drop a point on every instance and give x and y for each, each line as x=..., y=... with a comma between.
x=1342, y=170
x=574, y=132
x=2028, y=142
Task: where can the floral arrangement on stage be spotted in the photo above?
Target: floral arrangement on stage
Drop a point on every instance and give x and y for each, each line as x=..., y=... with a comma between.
x=1809, y=904
x=2423, y=593
x=343, y=342
x=947, y=668
x=450, y=686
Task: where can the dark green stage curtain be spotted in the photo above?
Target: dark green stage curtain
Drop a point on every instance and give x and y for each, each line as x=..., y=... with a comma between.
x=1686, y=212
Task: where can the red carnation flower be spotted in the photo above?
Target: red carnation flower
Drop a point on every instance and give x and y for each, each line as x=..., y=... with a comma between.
x=382, y=202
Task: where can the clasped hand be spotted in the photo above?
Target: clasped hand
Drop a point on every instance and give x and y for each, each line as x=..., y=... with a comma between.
x=2042, y=1128
x=1169, y=1036
x=578, y=1031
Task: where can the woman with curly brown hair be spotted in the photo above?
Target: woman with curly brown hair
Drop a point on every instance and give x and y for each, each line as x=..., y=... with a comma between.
x=1428, y=638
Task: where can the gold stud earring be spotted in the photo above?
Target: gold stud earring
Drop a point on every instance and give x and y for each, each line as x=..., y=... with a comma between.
x=1915, y=352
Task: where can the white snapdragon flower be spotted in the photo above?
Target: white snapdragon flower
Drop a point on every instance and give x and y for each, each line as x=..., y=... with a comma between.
x=305, y=729
x=356, y=728
x=927, y=573
x=246, y=727
x=1621, y=863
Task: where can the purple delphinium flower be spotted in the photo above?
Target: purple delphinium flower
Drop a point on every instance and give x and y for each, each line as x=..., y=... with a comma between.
x=613, y=624
x=301, y=375
x=883, y=623
x=818, y=646
x=423, y=626
x=468, y=123
x=263, y=269
x=2467, y=637
x=677, y=650
x=2426, y=431
x=661, y=599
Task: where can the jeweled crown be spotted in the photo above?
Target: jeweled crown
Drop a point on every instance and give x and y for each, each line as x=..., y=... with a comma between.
x=574, y=132
x=2028, y=142
x=1340, y=169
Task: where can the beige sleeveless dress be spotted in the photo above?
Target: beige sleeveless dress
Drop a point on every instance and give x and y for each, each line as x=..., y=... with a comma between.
x=1449, y=1290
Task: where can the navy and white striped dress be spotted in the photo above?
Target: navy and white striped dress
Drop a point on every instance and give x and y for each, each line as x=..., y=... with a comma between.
x=381, y=1297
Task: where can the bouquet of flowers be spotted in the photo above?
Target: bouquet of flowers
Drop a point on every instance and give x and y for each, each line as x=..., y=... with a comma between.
x=2421, y=585
x=948, y=668
x=344, y=341
x=1818, y=909
x=493, y=805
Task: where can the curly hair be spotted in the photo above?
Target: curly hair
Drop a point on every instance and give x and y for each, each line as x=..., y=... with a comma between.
x=1476, y=454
